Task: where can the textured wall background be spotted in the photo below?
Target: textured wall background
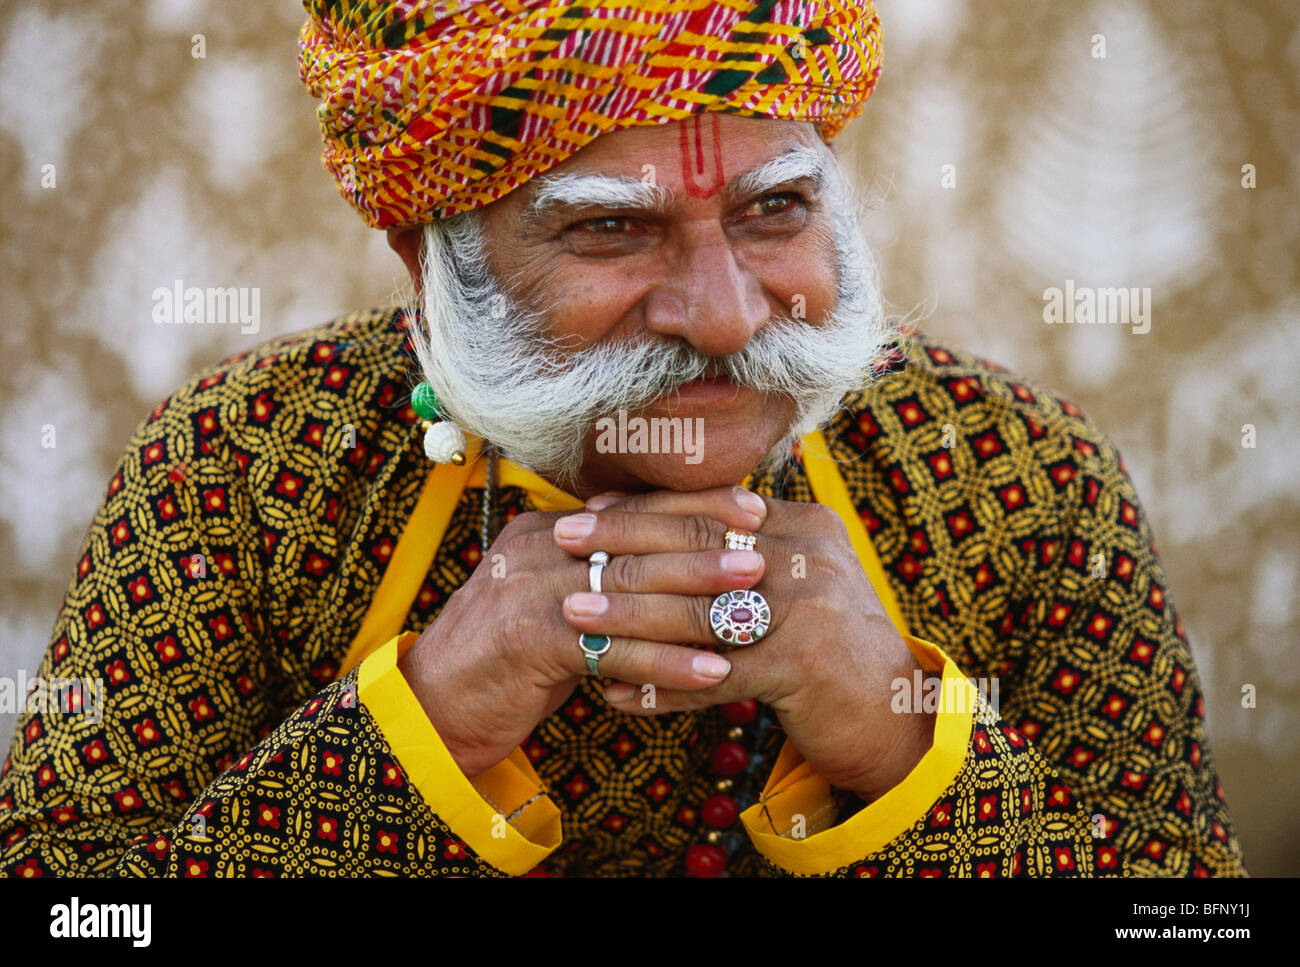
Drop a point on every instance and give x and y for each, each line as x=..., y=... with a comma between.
x=1122, y=170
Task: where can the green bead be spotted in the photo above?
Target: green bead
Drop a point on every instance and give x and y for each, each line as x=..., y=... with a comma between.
x=425, y=402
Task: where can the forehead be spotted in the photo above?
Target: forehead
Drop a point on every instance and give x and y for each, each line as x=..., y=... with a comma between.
x=695, y=152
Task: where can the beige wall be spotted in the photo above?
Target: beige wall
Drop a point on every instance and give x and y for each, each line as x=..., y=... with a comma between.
x=1117, y=171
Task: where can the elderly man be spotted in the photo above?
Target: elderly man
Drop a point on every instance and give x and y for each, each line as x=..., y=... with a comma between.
x=712, y=571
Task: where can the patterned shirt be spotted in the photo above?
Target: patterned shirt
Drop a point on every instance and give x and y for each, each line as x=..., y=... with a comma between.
x=253, y=517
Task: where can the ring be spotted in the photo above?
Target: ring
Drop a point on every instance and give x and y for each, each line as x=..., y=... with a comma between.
x=739, y=617
x=593, y=646
x=598, y=560
x=739, y=541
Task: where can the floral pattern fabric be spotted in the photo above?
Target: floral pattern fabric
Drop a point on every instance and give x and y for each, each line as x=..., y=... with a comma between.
x=240, y=541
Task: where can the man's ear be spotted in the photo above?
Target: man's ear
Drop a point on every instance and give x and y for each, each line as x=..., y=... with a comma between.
x=406, y=243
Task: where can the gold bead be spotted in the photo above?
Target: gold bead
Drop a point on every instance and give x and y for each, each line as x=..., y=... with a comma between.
x=715, y=836
x=458, y=458
x=736, y=733
x=723, y=785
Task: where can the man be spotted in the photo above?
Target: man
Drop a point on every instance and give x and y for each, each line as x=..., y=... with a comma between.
x=640, y=284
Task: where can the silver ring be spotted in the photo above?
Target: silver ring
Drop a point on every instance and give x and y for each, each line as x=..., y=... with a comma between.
x=739, y=541
x=739, y=617
x=597, y=563
x=593, y=646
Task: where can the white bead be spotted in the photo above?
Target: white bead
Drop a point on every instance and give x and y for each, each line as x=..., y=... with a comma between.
x=442, y=441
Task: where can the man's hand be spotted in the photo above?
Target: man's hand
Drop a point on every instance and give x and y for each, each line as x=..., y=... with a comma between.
x=826, y=665
x=500, y=656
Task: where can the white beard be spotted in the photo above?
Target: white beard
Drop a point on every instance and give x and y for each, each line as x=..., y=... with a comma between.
x=499, y=376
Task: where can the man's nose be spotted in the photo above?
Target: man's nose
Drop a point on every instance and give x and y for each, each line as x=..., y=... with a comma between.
x=710, y=298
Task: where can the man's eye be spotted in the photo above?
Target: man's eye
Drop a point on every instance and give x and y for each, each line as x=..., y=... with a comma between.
x=605, y=225
x=780, y=203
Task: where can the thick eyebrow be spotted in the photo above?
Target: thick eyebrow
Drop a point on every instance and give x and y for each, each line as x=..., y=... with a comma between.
x=573, y=192
x=799, y=163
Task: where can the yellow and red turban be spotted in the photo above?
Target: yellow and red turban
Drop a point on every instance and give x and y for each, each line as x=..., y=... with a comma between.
x=434, y=108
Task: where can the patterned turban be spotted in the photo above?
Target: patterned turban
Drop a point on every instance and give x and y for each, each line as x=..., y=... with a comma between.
x=434, y=108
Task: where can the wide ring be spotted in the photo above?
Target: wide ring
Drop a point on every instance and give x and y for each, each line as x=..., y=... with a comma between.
x=739, y=540
x=593, y=646
x=597, y=563
x=739, y=617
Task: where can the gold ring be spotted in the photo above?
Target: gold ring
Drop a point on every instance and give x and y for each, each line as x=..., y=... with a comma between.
x=739, y=541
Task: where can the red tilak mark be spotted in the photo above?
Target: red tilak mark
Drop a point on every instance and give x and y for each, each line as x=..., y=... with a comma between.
x=693, y=173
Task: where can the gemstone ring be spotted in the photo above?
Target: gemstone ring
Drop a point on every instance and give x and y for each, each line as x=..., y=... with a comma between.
x=739, y=617
x=593, y=647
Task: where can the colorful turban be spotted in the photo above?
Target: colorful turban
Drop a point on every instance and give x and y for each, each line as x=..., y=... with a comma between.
x=434, y=108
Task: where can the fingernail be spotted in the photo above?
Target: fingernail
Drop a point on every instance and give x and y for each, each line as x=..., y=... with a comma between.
x=585, y=604
x=575, y=526
x=601, y=501
x=742, y=562
x=750, y=502
x=619, y=693
x=711, y=666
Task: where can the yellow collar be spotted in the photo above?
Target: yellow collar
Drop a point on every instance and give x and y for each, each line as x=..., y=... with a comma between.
x=543, y=494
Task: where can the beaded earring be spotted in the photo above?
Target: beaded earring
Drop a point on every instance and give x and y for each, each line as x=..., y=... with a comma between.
x=444, y=441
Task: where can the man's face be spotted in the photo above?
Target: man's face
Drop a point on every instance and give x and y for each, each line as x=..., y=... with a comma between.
x=710, y=261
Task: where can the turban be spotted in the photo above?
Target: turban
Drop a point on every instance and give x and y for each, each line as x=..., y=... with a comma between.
x=430, y=108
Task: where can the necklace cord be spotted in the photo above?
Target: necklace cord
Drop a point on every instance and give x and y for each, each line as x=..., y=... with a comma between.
x=489, y=498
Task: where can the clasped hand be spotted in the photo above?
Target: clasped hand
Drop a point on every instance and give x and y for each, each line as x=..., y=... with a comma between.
x=829, y=660
x=503, y=653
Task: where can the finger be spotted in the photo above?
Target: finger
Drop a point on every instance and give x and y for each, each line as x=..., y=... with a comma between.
x=750, y=678
x=531, y=522
x=622, y=532
x=601, y=501
x=707, y=573
x=734, y=506
x=657, y=617
x=646, y=701
x=655, y=663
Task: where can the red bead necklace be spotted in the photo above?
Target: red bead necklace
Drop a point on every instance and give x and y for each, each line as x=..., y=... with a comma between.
x=733, y=762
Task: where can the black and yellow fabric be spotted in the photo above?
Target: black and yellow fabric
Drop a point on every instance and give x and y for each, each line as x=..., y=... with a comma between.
x=247, y=586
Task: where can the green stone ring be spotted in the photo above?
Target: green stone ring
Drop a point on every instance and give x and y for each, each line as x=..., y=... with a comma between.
x=593, y=646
